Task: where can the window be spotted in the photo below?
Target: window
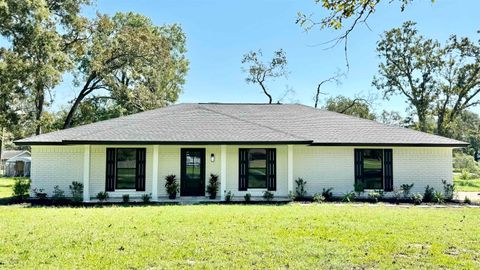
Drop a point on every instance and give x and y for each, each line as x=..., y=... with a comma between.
x=257, y=168
x=374, y=168
x=126, y=168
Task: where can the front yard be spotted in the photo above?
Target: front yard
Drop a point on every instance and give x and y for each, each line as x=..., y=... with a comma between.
x=311, y=236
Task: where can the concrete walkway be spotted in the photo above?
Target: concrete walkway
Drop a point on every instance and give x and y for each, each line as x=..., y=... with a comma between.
x=473, y=196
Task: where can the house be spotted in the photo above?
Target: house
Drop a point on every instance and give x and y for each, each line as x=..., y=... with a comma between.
x=15, y=163
x=252, y=147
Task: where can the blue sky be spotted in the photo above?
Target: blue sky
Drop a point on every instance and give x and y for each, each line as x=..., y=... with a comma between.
x=220, y=32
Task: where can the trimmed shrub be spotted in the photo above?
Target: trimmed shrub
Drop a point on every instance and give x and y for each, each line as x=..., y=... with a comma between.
x=405, y=188
x=126, y=198
x=21, y=188
x=172, y=186
x=448, y=190
x=417, y=198
x=212, y=186
x=102, y=196
x=39, y=193
x=318, y=198
x=327, y=194
x=58, y=194
x=438, y=197
x=374, y=196
x=247, y=197
x=300, y=190
x=359, y=187
x=268, y=196
x=292, y=195
x=429, y=193
x=76, y=188
x=146, y=198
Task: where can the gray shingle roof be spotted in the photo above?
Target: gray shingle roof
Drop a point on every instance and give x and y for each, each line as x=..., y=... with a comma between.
x=241, y=123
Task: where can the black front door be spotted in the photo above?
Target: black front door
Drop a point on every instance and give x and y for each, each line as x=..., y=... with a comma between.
x=192, y=182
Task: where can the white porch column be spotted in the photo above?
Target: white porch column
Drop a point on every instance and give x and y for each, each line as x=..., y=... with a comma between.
x=223, y=171
x=86, y=173
x=155, y=174
x=290, y=168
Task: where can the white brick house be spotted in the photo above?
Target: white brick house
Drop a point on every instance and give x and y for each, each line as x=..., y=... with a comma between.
x=252, y=147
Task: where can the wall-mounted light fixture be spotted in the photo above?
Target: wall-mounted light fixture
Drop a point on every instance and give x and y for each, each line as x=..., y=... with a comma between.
x=212, y=157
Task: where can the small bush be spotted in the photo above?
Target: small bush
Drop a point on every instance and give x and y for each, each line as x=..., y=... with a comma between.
x=406, y=188
x=39, y=193
x=126, y=198
x=349, y=197
x=374, y=196
x=146, y=198
x=318, y=198
x=429, y=193
x=228, y=196
x=247, y=197
x=212, y=186
x=327, y=194
x=76, y=188
x=300, y=190
x=292, y=195
x=171, y=186
x=21, y=188
x=102, y=196
x=58, y=194
x=359, y=187
x=417, y=198
x=465, y=175
x=438, y=197
x=397, y=194
x=467, y=200
x=268, y=196
x=448, y=190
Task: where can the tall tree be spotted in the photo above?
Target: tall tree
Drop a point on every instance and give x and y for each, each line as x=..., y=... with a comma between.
x=358, y=107
x=259, y=71
x=43, y=35
x=409, y=67
x=137, y=65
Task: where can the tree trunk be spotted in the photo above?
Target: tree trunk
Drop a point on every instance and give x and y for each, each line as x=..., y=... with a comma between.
x=39, y=102
x=71, y=113
x=266, y=93
x=422, y=122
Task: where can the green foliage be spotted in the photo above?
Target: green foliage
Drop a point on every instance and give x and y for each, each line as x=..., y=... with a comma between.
x=229, y=196
x=213, y=185
x=58, y=194
x=327, y=194
x=267, y=195
x=438, y=197
x=374, y=196
x=406, y=188
x=21, y=188
x=466, y=164
x=171, y=185
x=349, y=197
x=247, y=197
x=467, y=185
x=467, y=200
x=300, y=191
x=318, y=198
x=448, y=190
x=146, y=198
x=39, y=193
x=126, y=198
x=465, y=175
x=259, y=72
x=428, y=194
x=359, y=187
x=102, y=196
x=76, y=189
x=417, y=198
x=358, y=107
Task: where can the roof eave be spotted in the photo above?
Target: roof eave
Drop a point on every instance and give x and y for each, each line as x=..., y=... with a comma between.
x=459, y=145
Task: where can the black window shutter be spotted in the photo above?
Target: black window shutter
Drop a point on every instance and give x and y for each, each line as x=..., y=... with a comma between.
x=140, y=170
x=358, y=166
x=271, y=169
x=388, y=169
x=111, y=169
x=242, y=169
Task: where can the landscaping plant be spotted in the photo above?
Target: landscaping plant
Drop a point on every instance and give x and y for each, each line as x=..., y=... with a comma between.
x=417, y=198
x=405, y=188
x=438, y=197
x=247, y=197
x=76, y=188
x=171, y=186
x=448, y=190
x=102, y=196
x=318, y=198
x=268, y=196
x=359, y=187
x=429, y=193
x=349, y=197
x=39, y=193
x=467, y=200
x=125, y=198
x=374, y=196
x=212, y=186
x=300, y=190
x=327, y=194
x=228, y=196
x=21, y=188
x=58, y=195
x=146, y=198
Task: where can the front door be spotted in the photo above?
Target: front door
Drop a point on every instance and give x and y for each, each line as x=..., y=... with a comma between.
x=192, y=182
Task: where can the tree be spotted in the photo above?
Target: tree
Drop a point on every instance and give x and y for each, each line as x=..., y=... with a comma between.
x=466, y=127
x=43, y=36
x=259, y=72
x=335, y=78
x=355, y=11
x=358, y=107
x=137, y=65
x=409, y=66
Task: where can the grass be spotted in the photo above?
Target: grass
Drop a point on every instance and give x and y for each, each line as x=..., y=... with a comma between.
x=466, y=185
x=6, y=186
x=240, y=236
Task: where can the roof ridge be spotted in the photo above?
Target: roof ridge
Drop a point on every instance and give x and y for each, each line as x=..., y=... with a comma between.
x=250, y=122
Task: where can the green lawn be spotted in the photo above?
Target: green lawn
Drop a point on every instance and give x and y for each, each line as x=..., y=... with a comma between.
x=6, y=185
x=466, y=185
x=240, y=236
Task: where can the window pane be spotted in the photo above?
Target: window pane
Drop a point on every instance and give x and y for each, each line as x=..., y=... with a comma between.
x=257, y=168
x=126, y=165
x=373, y=168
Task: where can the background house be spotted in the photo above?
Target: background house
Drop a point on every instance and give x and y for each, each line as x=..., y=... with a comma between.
x=15, y=163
